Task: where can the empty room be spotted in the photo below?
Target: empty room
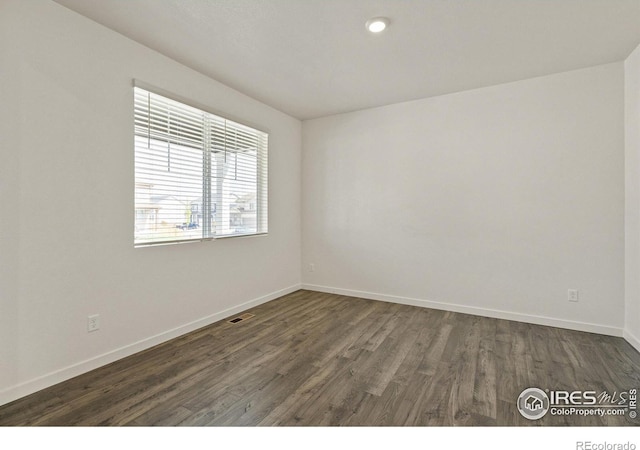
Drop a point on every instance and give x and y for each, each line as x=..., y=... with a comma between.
x=415, y=213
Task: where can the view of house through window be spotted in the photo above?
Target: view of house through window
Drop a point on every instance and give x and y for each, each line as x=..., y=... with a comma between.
x=197, y=176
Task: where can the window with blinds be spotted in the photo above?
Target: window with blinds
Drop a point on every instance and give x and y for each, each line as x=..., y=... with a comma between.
x=198, y=176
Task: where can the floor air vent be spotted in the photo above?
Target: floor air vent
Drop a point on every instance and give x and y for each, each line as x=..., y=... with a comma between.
x=241, y=318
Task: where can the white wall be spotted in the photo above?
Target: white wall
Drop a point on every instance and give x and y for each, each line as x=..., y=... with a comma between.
x=632, y=198
x=66, y=217
x=9, y=207
x=493, y=201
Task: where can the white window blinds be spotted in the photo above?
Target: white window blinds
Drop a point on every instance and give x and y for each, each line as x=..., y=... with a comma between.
x=197, y=175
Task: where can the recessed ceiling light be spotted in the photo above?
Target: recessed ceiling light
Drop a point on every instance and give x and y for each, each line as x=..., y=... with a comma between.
x=377, y=24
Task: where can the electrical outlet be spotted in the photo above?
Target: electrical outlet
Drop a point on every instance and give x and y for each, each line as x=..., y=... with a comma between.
x=312, y=267
x=93, y=323
x=572, y=295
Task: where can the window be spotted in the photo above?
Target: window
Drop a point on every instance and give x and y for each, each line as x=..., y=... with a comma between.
x=198, y=176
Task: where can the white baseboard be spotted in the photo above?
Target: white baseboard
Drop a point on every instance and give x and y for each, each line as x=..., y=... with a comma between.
x=37, y=384
x=631, y=339
x=493, y=313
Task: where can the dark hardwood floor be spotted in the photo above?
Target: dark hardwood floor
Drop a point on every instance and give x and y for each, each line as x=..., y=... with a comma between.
x=319, y=359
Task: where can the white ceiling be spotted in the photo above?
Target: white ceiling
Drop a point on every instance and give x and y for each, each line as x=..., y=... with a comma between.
x=311, y=58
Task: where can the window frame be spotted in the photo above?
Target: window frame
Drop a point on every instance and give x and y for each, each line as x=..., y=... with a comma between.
x=262, y=172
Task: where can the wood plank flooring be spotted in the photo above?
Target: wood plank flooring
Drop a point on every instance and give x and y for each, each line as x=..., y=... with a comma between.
x=320, y=359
